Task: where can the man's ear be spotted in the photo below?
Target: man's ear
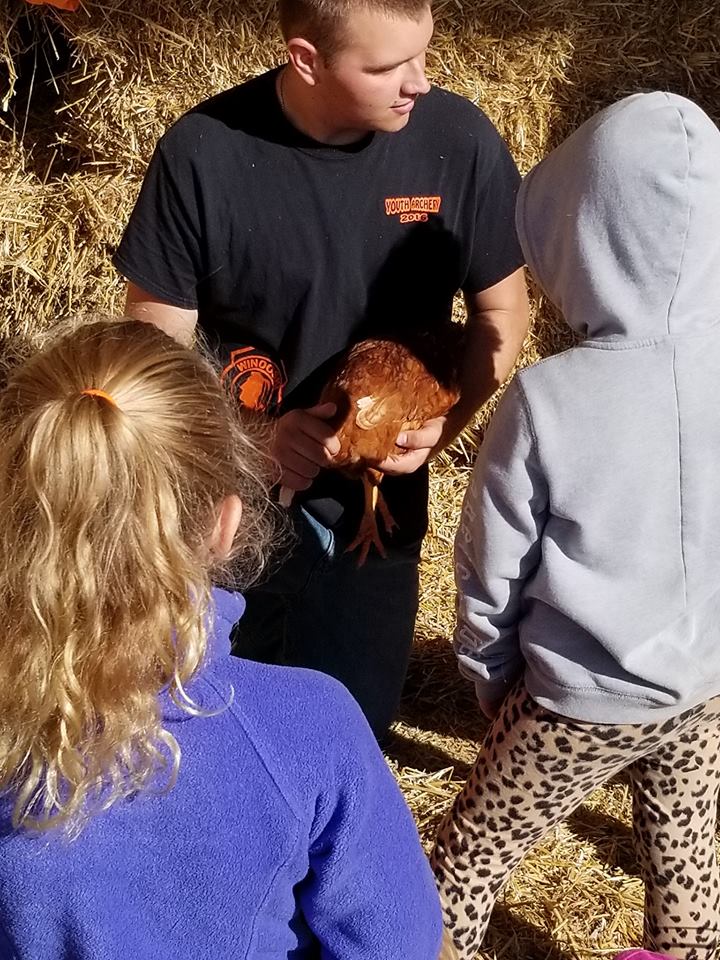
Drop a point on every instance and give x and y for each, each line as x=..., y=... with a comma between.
x=305, y=59
x=226, y=526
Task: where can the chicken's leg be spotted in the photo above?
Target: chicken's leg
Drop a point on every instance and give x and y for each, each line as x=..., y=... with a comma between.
x=388, y=519
x=368, y=533
x=375, y=478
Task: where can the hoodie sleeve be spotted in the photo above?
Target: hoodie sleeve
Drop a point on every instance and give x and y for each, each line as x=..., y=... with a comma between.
x=497, y=549
x=369, y=893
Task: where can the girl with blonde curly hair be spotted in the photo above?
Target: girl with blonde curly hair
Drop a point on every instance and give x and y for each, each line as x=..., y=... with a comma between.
x=159, y=798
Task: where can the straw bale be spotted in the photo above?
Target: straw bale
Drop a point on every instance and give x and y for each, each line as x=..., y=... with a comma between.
x=138, y=66
x=70, y=167
x=10, y=49
x=47, y=229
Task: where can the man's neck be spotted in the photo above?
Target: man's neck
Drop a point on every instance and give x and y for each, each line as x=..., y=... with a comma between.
x=303, y=109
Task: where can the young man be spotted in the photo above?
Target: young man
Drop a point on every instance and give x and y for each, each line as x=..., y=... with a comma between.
x=332, y=198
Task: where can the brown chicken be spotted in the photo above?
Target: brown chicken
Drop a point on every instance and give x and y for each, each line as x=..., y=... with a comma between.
x=382, y=387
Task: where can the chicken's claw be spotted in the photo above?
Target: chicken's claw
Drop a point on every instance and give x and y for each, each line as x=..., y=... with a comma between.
x=367, y=536
x=388, y=520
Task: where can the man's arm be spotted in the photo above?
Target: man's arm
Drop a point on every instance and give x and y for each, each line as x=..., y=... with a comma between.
x=496, y=326
x=303, y=442
x=175, y=321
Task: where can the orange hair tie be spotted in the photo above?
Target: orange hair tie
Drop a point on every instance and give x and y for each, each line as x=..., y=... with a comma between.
x=92, y=392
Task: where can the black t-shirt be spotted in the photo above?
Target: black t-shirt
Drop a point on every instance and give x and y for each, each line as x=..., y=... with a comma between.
x=299, y=248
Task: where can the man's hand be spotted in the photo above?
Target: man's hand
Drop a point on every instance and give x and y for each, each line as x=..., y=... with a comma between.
x=417, y=448
x=305, y=443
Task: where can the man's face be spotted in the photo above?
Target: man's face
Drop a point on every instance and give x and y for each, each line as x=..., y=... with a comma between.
x=374, y=79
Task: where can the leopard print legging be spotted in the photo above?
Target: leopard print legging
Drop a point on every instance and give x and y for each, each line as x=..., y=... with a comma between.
x=536, y=767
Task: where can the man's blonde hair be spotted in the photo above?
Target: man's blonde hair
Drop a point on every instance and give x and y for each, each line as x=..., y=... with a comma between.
x=321, y=22
x=106, y=511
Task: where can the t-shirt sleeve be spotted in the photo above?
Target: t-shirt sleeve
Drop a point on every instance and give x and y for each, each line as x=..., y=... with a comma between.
x=496, y=251
x=160, y=250
x=369, y=894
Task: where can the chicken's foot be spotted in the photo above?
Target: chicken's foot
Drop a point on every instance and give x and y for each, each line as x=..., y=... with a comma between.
x=387, y=518
x=368, y=534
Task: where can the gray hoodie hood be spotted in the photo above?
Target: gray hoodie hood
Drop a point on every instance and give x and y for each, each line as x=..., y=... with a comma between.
x=623, y=247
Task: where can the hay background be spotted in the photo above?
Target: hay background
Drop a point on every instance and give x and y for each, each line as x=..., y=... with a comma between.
x=70, y=167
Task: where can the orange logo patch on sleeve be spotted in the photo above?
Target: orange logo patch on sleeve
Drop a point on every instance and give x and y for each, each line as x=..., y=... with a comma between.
x=412, y=209
x=255, y=379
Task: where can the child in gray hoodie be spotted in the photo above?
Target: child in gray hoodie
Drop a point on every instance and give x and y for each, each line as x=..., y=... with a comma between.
x=588, y=555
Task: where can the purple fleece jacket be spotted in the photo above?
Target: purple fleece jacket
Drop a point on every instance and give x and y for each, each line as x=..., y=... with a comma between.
x=284, y=837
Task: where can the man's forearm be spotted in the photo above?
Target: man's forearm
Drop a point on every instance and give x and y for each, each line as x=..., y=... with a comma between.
x=495, y=330
x=175, y=321
x=493, y=341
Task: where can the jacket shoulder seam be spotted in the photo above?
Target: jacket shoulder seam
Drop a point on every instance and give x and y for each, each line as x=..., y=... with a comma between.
x=234, y=711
